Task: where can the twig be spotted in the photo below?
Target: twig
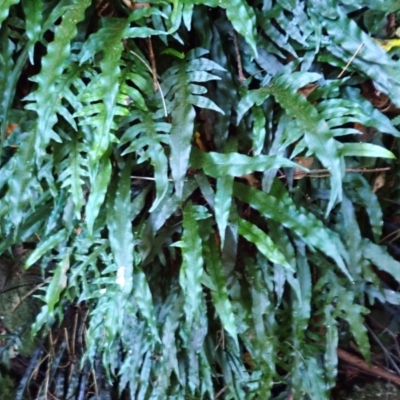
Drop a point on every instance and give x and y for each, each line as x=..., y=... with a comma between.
x=158, y=85
x=318, y=173
x=74, y=334
x=67, y=341
x=153, y=64
x=28, y=294
x=238, y=59
x=386, y=352
x=96, y=389
x=322, y=173
x=147, y=178
x=363, y=366
x=389, y=235
x=221, y=392
x=351, y=59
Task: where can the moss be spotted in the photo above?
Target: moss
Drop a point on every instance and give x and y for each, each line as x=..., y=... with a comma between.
x=18, y=312
x=372, y=391
x=7, y=391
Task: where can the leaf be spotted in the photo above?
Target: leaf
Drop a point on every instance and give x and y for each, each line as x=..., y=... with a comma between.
x=21, y=181
x=235, y=164
x=57, y=284
x=190, y=275
x=274, y=34
x=181, y=134
x=263, y=243
x=73, y=173
x=259, y=131
x=223, y=201
x=380, y=258
x=120, y=229
x=8, y=78
x=243, y=20
x=352, y=236
x=312, y=377
x=240, y=14
x=354, y=315
x=376, y=118
x=33, y=10
x=53, y=65
x=364, y=150
x=150, y=139
x=144, y=300
x=109, y=36
x=183, y=113
x=97, y=193
x=219, y=292
x=359, y=190
x=173, y=52
x=346, y=37
x=160, y=164
x=187, y=15
x=306, y=226
x=249, y=99
x=204, y=102
x=45, y=246
x=386, y=6
x=317, y=134
x=5, y=6
x=263, y=318
x=206, y=189
x=332, y=339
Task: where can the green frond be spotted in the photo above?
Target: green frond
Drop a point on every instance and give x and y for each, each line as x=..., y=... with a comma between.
x=206, y=189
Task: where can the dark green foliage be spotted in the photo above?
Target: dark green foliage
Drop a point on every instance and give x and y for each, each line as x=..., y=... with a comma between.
x=151, y=164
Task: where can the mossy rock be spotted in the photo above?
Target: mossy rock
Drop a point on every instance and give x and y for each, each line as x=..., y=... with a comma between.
x=372, y=391
x=19, y=308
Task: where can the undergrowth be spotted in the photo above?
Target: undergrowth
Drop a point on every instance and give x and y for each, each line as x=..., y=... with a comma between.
x=208, y=180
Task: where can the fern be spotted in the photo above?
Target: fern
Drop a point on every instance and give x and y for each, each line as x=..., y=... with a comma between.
x=192, y=69
x=149, y=165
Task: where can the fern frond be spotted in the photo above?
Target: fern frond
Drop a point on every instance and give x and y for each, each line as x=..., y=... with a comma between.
x=182, y=99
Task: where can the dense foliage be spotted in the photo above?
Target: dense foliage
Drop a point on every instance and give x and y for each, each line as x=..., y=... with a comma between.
x=157, y=160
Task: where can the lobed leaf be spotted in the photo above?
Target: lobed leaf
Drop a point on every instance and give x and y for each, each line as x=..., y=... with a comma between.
x=45, y=246
x=354, y=315
x=364, y=150
x=359, y=190
x=263, y=243
x=53, y=65
x=346, y=37
x=223, y=201
x=181, y=134
x=97, y=193
x=235, y=164
x=73, y=173
x=111, y=36
x=259, y=131
x=33, y=10
x=53, y=292
x=218, y=289
x=57, y=284
x=190, y=275
x=306, y=226
x=317, y=134
x=120, y=229
x=5, y=6
x=380, y=258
